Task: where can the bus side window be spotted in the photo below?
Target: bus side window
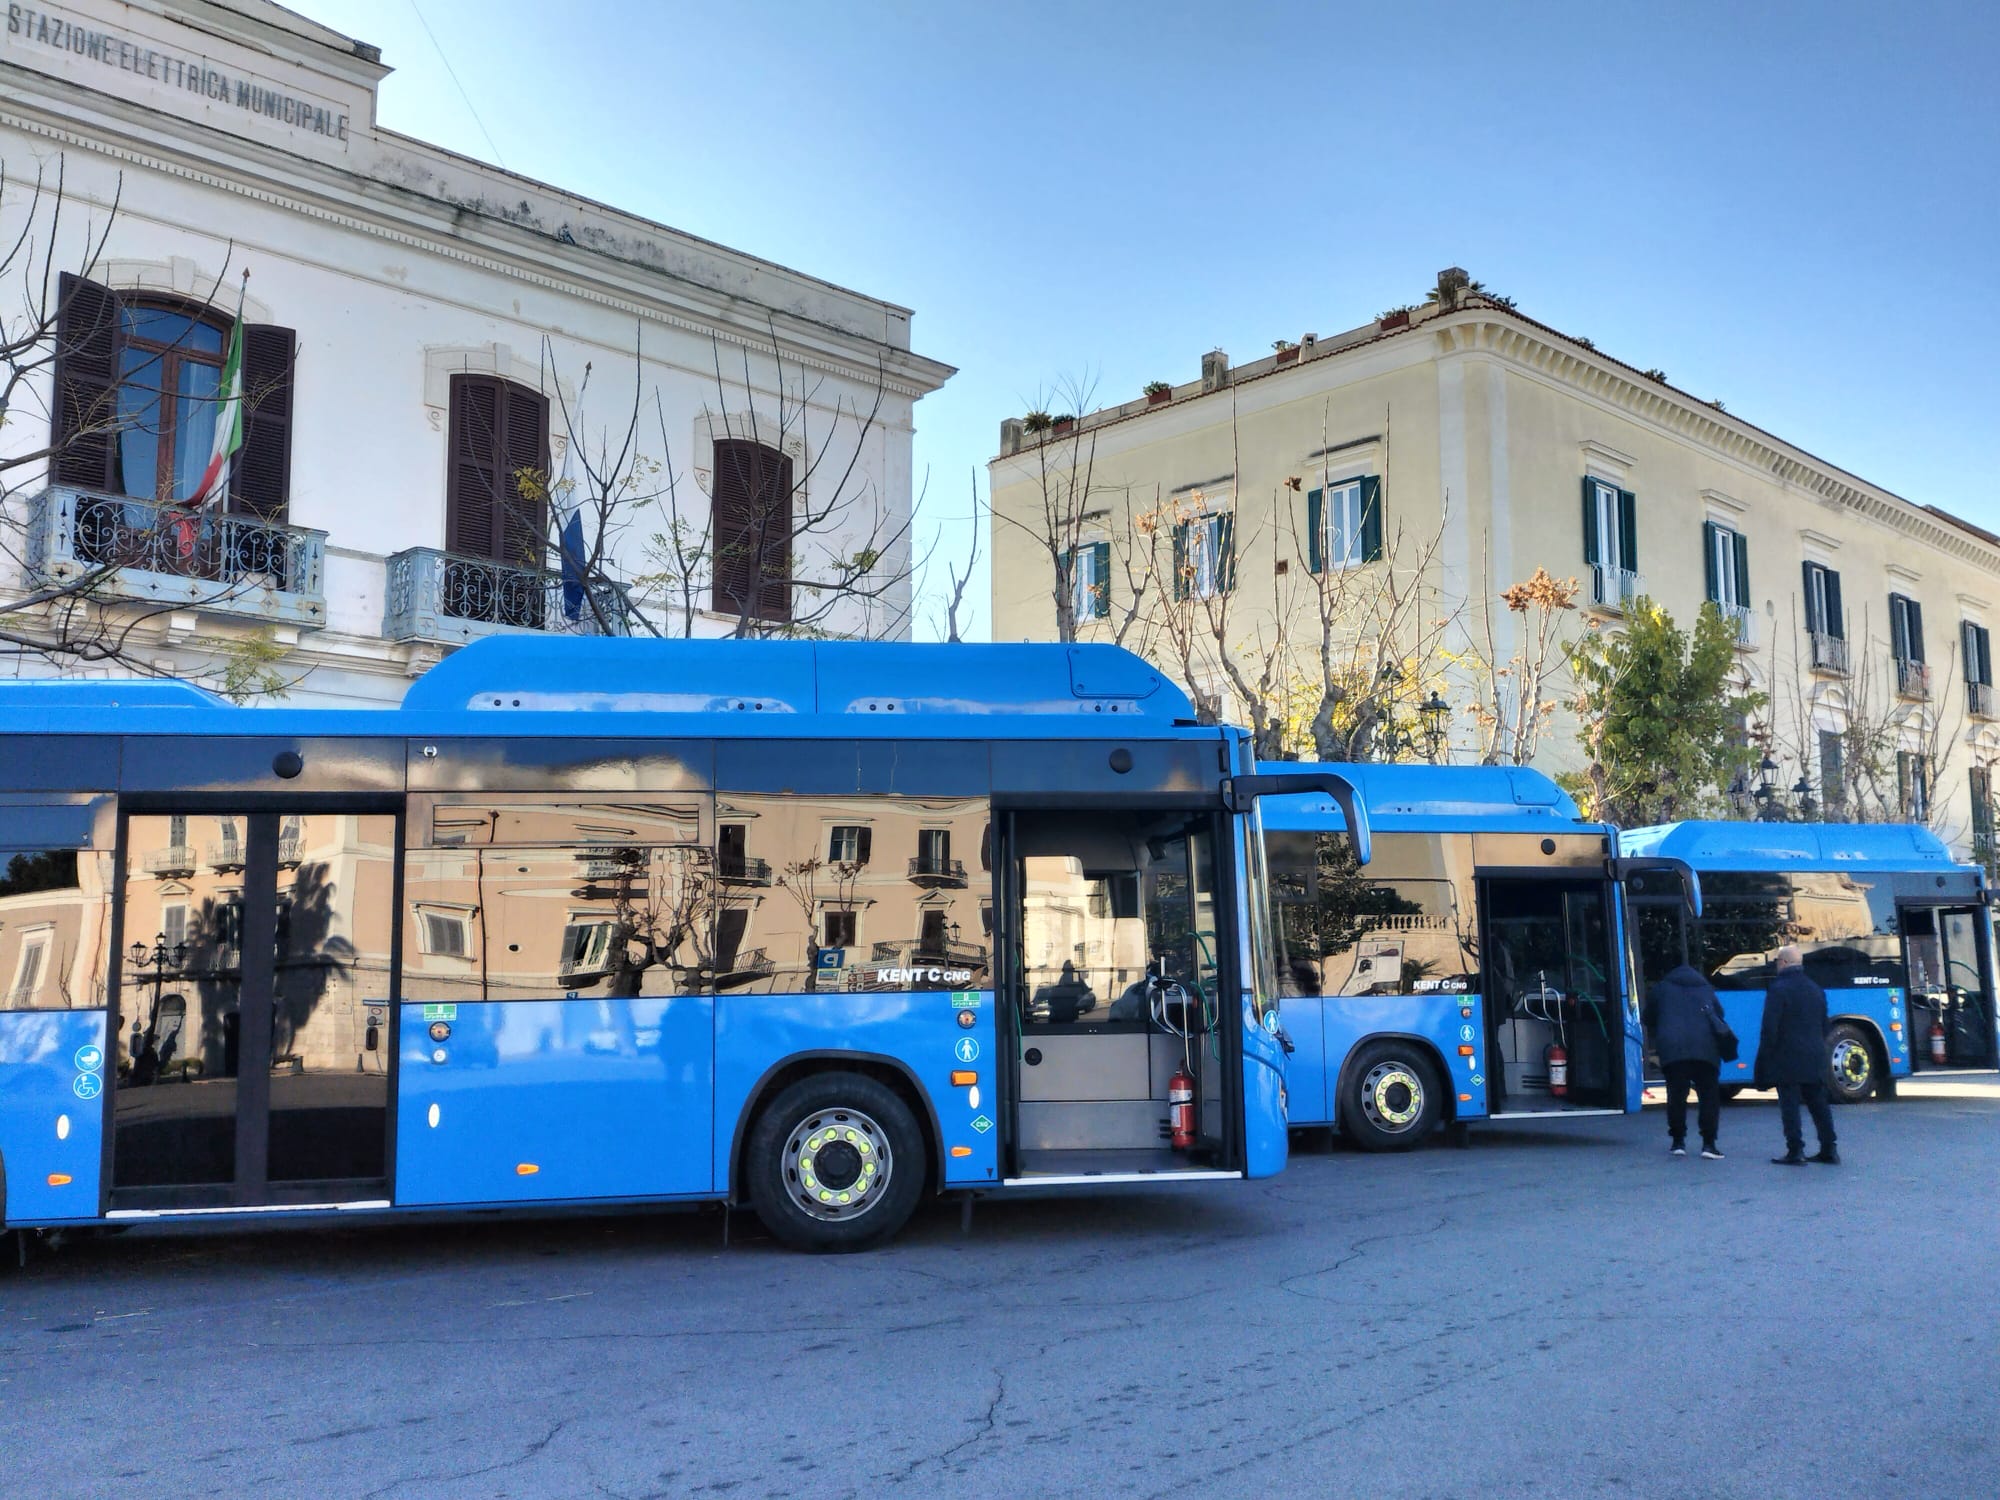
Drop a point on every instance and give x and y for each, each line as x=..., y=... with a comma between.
x=55, y=913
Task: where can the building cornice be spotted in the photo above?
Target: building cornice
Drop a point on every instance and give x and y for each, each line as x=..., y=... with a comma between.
x=136, y=137
x=1544, y=352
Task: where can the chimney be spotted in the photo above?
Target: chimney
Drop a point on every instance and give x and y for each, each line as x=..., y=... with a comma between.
x=1452, y=282
x=1214, y=371
x=1011, y=431
x=1306, y=342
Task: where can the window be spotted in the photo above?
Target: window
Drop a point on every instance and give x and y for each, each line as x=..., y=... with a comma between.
x=1090, y=581
x=174, y=923
x=1391, y=928
x=138, y=394
x=585, y=942
x=1913, y=785
x=1844, y=924
x=1979, y=781
x=1726, y=569
x=499, y=438
x=1978, y=646
x=444, y=933
x=1826, y=622
x=849, y=844
x=837, y=929
x=28, y=967
x=1344, y=524
x=1832, y=776
x=752, y=532
x=1205, y=556
x=1611, y=542
x=1906, y=642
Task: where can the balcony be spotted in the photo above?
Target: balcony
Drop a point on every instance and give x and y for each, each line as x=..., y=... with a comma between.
x=1913, y=680
x=1979, y=699
x=224, y=856
x=445, y=596
x=740, y=869
x=1829, y=654
x=290, y=847
x=1745, y=622
x=175, y=862
x=917, y=952
x=937, y=871
x=1614, y=588
x=733, y=971
x=238, y=565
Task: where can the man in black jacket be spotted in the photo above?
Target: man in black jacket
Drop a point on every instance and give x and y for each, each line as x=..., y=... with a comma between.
x=1683, y=1017
x=1791, y=1057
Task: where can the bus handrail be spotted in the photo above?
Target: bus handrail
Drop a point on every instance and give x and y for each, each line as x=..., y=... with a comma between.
x=1240, y=793
x=1625, y=865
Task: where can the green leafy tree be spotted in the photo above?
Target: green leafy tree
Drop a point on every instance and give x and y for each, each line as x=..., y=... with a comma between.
x=1662, y=716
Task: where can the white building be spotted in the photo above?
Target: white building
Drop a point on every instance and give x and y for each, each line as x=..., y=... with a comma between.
x=397, y=379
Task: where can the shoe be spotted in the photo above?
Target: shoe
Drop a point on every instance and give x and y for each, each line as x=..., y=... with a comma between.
x=1710, y=1153
x=1677, y=1149
x=1789, y=1159
x=1828, y=1155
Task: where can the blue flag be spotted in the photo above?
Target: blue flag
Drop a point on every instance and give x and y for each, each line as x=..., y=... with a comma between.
x=574, y=556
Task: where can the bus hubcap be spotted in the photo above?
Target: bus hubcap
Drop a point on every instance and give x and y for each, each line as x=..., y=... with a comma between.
x=837, y=1162
x=1392, y=1096
x=1851, y=1064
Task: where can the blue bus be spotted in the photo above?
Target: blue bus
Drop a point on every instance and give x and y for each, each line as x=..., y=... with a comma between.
x=1475, y=969
x=817, y=928
x=1897, y=933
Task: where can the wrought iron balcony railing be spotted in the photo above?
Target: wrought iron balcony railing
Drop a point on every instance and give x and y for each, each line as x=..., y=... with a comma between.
x=1829, y=654
x=446, y=596
x=742, y=870
x=1614, y=588
x=224, y=856
x=1746, y=633
x=175, y=859
x=1913, y=679
x=929, y=869
x=239, y=565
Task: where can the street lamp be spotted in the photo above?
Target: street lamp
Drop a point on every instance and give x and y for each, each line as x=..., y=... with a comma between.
x=1434, y=711
x=157, y=959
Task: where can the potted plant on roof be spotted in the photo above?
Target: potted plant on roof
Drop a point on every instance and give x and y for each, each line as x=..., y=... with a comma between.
x=1158, y=392
x=1395, y=317
x=1063, y=422
x=1287, y=350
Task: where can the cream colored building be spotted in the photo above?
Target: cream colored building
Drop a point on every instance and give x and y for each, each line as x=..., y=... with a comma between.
x=1514, y=447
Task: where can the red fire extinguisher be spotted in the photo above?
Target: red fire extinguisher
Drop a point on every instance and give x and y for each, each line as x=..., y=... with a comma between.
x=1180, y=1109
x=1937, y=1043
x=1559, y=1070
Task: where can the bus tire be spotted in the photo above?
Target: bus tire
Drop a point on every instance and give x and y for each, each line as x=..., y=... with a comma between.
x=1392, y=1098
x=1853, y=1069
x=835, y=1162
x=1731, y=1092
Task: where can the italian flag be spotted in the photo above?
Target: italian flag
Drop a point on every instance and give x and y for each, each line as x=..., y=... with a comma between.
x=228, y=422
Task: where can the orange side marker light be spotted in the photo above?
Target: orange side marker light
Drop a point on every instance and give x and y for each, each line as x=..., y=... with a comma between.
x=1465, y=1051
x=59, y=1179
x=960, y=1077
x=961, y=1151
x=526, y=1169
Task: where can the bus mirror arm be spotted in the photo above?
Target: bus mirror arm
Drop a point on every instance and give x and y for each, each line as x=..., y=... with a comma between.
x=1624, y=867
x=1240, y=793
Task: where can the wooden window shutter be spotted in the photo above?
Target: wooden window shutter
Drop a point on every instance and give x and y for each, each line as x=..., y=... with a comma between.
x=1899, y=627
x=1836, y=617
x=1815, y=623
x=1708, y=578
x=1740, y=555
x=260, y=482
x=524, y=451
x=1628, y=531
x=864, y=846
x=1915, y=611
x=1315, y=530
x=1180, y=559
x=1591, y=544
x=751, y=532
x=83, y=434
x=1371, y=518
x=471, y=509
x=1224, y=535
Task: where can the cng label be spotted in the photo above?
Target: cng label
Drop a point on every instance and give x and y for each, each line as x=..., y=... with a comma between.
x=981, y=1124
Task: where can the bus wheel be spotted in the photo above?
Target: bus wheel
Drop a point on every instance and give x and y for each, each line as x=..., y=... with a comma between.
x=835, y=1162
x=1850, y=1060
x=1392, y=1098
x=1731, y=1092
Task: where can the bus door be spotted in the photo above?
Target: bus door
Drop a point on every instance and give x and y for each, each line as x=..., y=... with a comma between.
x=1658, y=913
x=1123, y=975
x=1950, y=987
x=1551, y=972
x=251, y=1021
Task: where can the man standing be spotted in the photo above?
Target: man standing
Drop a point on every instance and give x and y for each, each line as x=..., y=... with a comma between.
x=1684, y=1018
x=1791, y=1057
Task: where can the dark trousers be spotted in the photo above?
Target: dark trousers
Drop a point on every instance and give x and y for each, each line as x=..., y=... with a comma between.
x=1814, y=1095
x=1702, y=1077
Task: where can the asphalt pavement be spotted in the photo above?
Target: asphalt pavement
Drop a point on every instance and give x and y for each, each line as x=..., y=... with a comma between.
x=1560, y=1310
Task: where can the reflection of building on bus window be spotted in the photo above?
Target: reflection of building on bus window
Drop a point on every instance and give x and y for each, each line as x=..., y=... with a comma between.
x=1844, y=924
x=1392, y=929
x=54, y=922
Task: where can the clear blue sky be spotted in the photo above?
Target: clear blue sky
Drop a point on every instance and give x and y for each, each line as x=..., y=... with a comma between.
x=1791, y=207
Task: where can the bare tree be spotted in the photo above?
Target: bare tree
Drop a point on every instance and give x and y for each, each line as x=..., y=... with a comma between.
x=1516, y=694
x=1065, y=471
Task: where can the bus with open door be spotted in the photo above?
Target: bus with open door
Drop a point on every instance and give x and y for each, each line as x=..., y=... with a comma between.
x=823, y=929
x=1896, y=932
x=1473, y=970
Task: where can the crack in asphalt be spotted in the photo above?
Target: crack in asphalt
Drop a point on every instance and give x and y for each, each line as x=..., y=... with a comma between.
x=534, y=1450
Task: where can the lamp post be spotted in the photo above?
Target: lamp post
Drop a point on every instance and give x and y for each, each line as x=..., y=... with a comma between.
x=156, y=960
x=1434, y=710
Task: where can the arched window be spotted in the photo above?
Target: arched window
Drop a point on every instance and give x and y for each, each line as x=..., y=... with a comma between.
x=138, y=381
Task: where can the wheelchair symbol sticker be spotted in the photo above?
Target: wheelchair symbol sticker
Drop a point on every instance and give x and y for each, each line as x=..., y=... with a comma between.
x=966, y=1049
x=87, y=1085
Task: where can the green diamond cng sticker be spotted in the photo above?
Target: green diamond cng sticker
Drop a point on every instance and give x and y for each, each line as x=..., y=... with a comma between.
x=982, y=1124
